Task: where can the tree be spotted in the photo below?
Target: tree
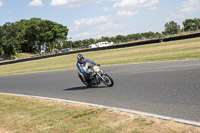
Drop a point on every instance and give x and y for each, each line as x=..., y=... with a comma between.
x=91, y=41
x=191, y=24
x=148, y=34
x=171, y=28
x=20, y=29
x=197, y=22
x=85, y=42
x=113, y=39
x=158, y=35
x=52, y=32
x=104, y=39
x=9, y=39
x=30, y=35
x=78, y=43
x=33, y=30
x=1, y=46
x=120, y=38
x=137, y=36
x=67, y=44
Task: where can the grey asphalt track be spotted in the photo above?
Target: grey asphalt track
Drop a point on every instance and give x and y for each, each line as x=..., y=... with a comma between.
x=162, y=88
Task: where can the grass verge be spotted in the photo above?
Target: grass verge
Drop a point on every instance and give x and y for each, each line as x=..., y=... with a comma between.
x=175, y=50
x=24, y=114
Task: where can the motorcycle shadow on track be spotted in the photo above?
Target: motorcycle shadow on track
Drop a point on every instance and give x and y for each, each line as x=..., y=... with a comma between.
x=83, y=88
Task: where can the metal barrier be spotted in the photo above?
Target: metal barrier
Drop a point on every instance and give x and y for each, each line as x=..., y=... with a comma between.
x=104, y=48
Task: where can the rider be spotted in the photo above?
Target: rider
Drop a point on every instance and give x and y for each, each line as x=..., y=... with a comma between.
x=82, y=65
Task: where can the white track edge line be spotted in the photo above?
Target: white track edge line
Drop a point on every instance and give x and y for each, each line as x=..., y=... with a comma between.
x=188, y=122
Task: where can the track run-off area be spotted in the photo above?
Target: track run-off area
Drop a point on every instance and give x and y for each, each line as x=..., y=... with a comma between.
x=168, y=90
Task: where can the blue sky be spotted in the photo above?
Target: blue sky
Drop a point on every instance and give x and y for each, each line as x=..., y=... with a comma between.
x=96, y=18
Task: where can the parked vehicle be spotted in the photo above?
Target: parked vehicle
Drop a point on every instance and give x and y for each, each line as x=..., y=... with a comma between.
x=93, y=46
x=101, y=44
x=104, y=44
x=96, y=77
x=1, y=59
x=68, y=49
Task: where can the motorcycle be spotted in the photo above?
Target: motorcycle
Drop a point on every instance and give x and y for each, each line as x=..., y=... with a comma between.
x=95, y=77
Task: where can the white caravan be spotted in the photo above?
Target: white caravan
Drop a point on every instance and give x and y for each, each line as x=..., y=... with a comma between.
x=104, y=44
x=101, y=44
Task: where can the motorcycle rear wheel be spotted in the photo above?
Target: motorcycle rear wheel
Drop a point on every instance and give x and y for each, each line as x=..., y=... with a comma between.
x=82, y=78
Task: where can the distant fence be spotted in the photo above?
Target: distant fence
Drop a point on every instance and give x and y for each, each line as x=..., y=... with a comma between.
x=104, y=48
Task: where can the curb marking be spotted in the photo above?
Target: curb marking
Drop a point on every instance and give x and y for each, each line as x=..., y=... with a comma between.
x=194, y=123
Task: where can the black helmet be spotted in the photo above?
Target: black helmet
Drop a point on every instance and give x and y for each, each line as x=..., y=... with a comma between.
x=79, y=58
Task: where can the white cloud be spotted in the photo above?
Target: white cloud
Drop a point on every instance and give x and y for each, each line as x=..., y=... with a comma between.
x=111, y=0
x=175, y=17
x=80, y=35
x=92, y=22
x=107, y=25
x=99, y=2
x=152, y=8
x=187, y=8
x=106, y=9
x=95, y=27
x=135, y=3
x=125, y=14
x=10, y=12
x=69, y=3
x=103, y=1
x=1, y=4
x=159, y=27
x=36, y=3
x=126, y=8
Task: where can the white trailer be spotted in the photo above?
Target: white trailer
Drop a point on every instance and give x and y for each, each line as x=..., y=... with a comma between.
x=93, y=46
x=104, y=44
x=101, y=44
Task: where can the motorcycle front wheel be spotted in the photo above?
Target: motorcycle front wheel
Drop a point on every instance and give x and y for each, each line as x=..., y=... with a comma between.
x=107, y=80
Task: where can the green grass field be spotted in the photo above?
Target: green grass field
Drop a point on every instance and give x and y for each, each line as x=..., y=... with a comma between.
x=175, y=50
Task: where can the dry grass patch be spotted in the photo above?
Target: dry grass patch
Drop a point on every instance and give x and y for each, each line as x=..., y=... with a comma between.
x=24, y=114
x=161, y=47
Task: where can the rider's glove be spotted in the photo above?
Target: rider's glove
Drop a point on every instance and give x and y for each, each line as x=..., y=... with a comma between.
x=98, y=65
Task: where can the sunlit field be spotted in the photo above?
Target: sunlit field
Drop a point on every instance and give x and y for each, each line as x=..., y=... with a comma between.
x=175, y=50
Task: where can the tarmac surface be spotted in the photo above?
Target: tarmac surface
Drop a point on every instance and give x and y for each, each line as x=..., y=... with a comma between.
x=162, y=88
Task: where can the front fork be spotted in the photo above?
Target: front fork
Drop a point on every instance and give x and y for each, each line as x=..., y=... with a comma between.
x=101, y=73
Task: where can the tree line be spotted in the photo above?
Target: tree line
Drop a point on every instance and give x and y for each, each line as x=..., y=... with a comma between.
x=188, y=25
x=29, y=35
x=170, y=28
